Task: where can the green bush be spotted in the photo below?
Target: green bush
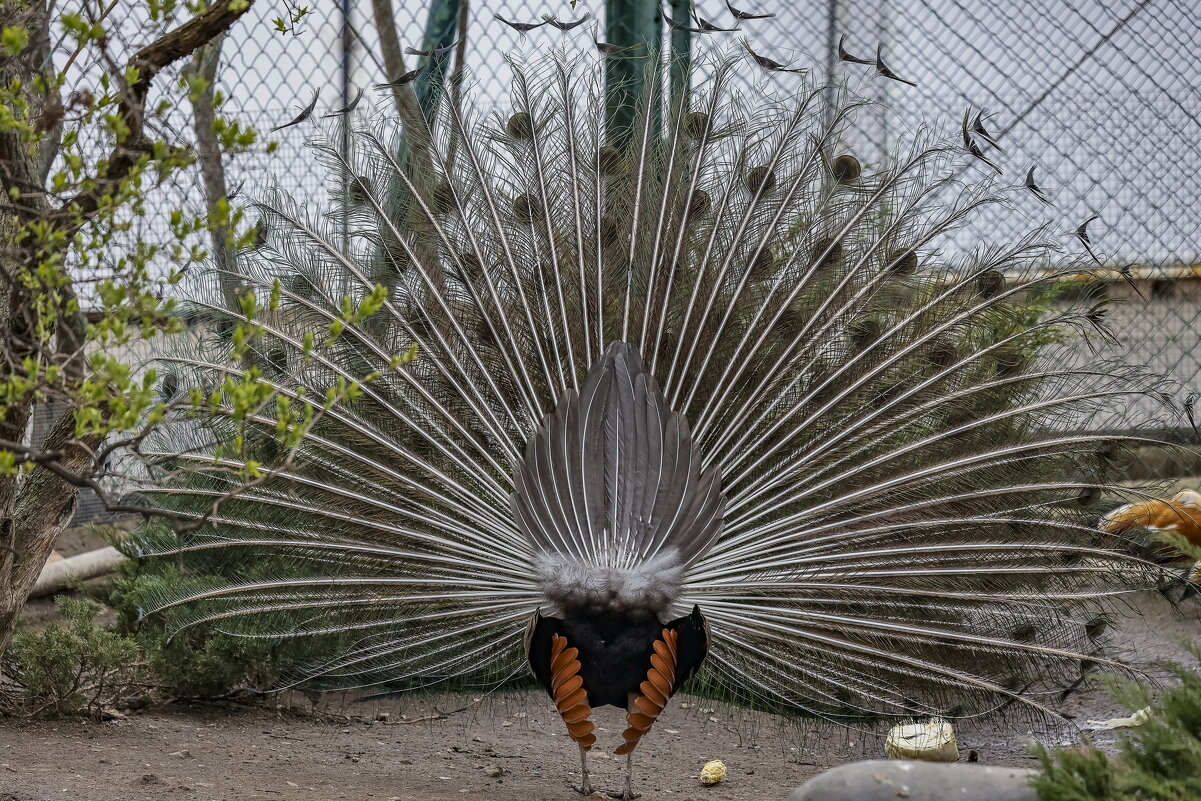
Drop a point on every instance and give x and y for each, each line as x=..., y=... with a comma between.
x=71, y=668
x=202, y=661
x=1159, y=760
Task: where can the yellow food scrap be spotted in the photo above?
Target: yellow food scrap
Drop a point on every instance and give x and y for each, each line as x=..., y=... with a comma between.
x=932, y=741
x=713, y=772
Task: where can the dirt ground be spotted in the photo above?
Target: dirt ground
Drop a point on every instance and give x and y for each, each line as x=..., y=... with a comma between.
x=510, y=748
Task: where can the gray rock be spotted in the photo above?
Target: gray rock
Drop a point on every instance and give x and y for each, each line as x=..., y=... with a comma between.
x=888, y=780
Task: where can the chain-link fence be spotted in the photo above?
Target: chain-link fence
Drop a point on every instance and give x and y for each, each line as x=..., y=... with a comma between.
x=1100, y=98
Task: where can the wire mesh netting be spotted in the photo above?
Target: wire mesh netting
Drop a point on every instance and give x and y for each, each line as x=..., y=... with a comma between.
x=1101, y=99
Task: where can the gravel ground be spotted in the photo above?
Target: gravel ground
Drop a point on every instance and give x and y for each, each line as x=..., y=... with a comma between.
x=510, y=748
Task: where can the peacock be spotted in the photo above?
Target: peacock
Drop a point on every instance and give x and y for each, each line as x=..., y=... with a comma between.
x=704, y=401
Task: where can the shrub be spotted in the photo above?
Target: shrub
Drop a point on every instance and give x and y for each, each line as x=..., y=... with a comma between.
x=207, y=660
x=71, y=668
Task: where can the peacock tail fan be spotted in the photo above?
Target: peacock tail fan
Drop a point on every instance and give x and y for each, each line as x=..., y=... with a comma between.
x=910, y=436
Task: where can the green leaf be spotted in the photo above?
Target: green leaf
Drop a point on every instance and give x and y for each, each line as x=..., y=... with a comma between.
x=13, y=40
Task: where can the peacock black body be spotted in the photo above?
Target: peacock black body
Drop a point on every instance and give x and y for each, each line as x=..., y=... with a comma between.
x=719, y=399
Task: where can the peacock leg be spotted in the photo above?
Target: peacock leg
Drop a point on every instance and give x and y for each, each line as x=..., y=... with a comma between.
x=585, y=786
x=632, y=737
x=628, y=794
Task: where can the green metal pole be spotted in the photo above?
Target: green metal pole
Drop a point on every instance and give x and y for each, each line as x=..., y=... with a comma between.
x=629, y=75
x=440, y=29
x=681, y=52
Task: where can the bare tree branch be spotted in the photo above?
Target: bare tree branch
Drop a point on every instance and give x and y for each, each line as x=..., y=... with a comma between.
x=148, y=62
x=208, y=153
x=394, y=60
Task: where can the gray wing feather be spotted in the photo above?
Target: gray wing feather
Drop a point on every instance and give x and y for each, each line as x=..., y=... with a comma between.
x=612, y=476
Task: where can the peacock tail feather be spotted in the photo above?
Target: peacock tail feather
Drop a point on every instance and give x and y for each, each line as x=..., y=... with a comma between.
x=905, y=450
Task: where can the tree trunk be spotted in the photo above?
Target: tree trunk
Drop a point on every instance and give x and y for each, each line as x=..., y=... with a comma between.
x=26, y=171
x=394, y=60
x=44, y=507
x=205, y=62
x=58, y=574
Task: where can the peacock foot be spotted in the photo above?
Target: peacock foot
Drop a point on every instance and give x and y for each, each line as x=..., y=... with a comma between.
x=620, y=795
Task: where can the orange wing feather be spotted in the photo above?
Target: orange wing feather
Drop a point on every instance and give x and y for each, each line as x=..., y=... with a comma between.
x=567, y=689
x=658, y=687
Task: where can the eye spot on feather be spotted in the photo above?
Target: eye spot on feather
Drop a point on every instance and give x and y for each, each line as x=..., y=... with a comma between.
x=224, y=328
x=1026, y=632
x=301, y=286
x=548, y=273
x=1096, y=627
x=419, y=327
x=698, y=203
x=864, y=333
x=486, y=338
x=468, y=267
x=760, y=179
x=608, y=232
x=262, y=233
x=826, y=253
x=525, y=208
x=563, y=247
x=169, y=386
x=846, y=169
x=891, y=391
x=764, y=264
x=609, y=159
x=1108, y=452
x=903, y=263
x=989, y=284
x=277, y=358
x=360, y=189
x=848, y=700
x=1088, y=496
x=397, y=256
x=442, y=198
x=1013, y=682
x=1009, y=362
x=792, y=316
x=266, y=449
x=188, y=315
x=695, y=124
x=942, y=355
x=520, y=126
